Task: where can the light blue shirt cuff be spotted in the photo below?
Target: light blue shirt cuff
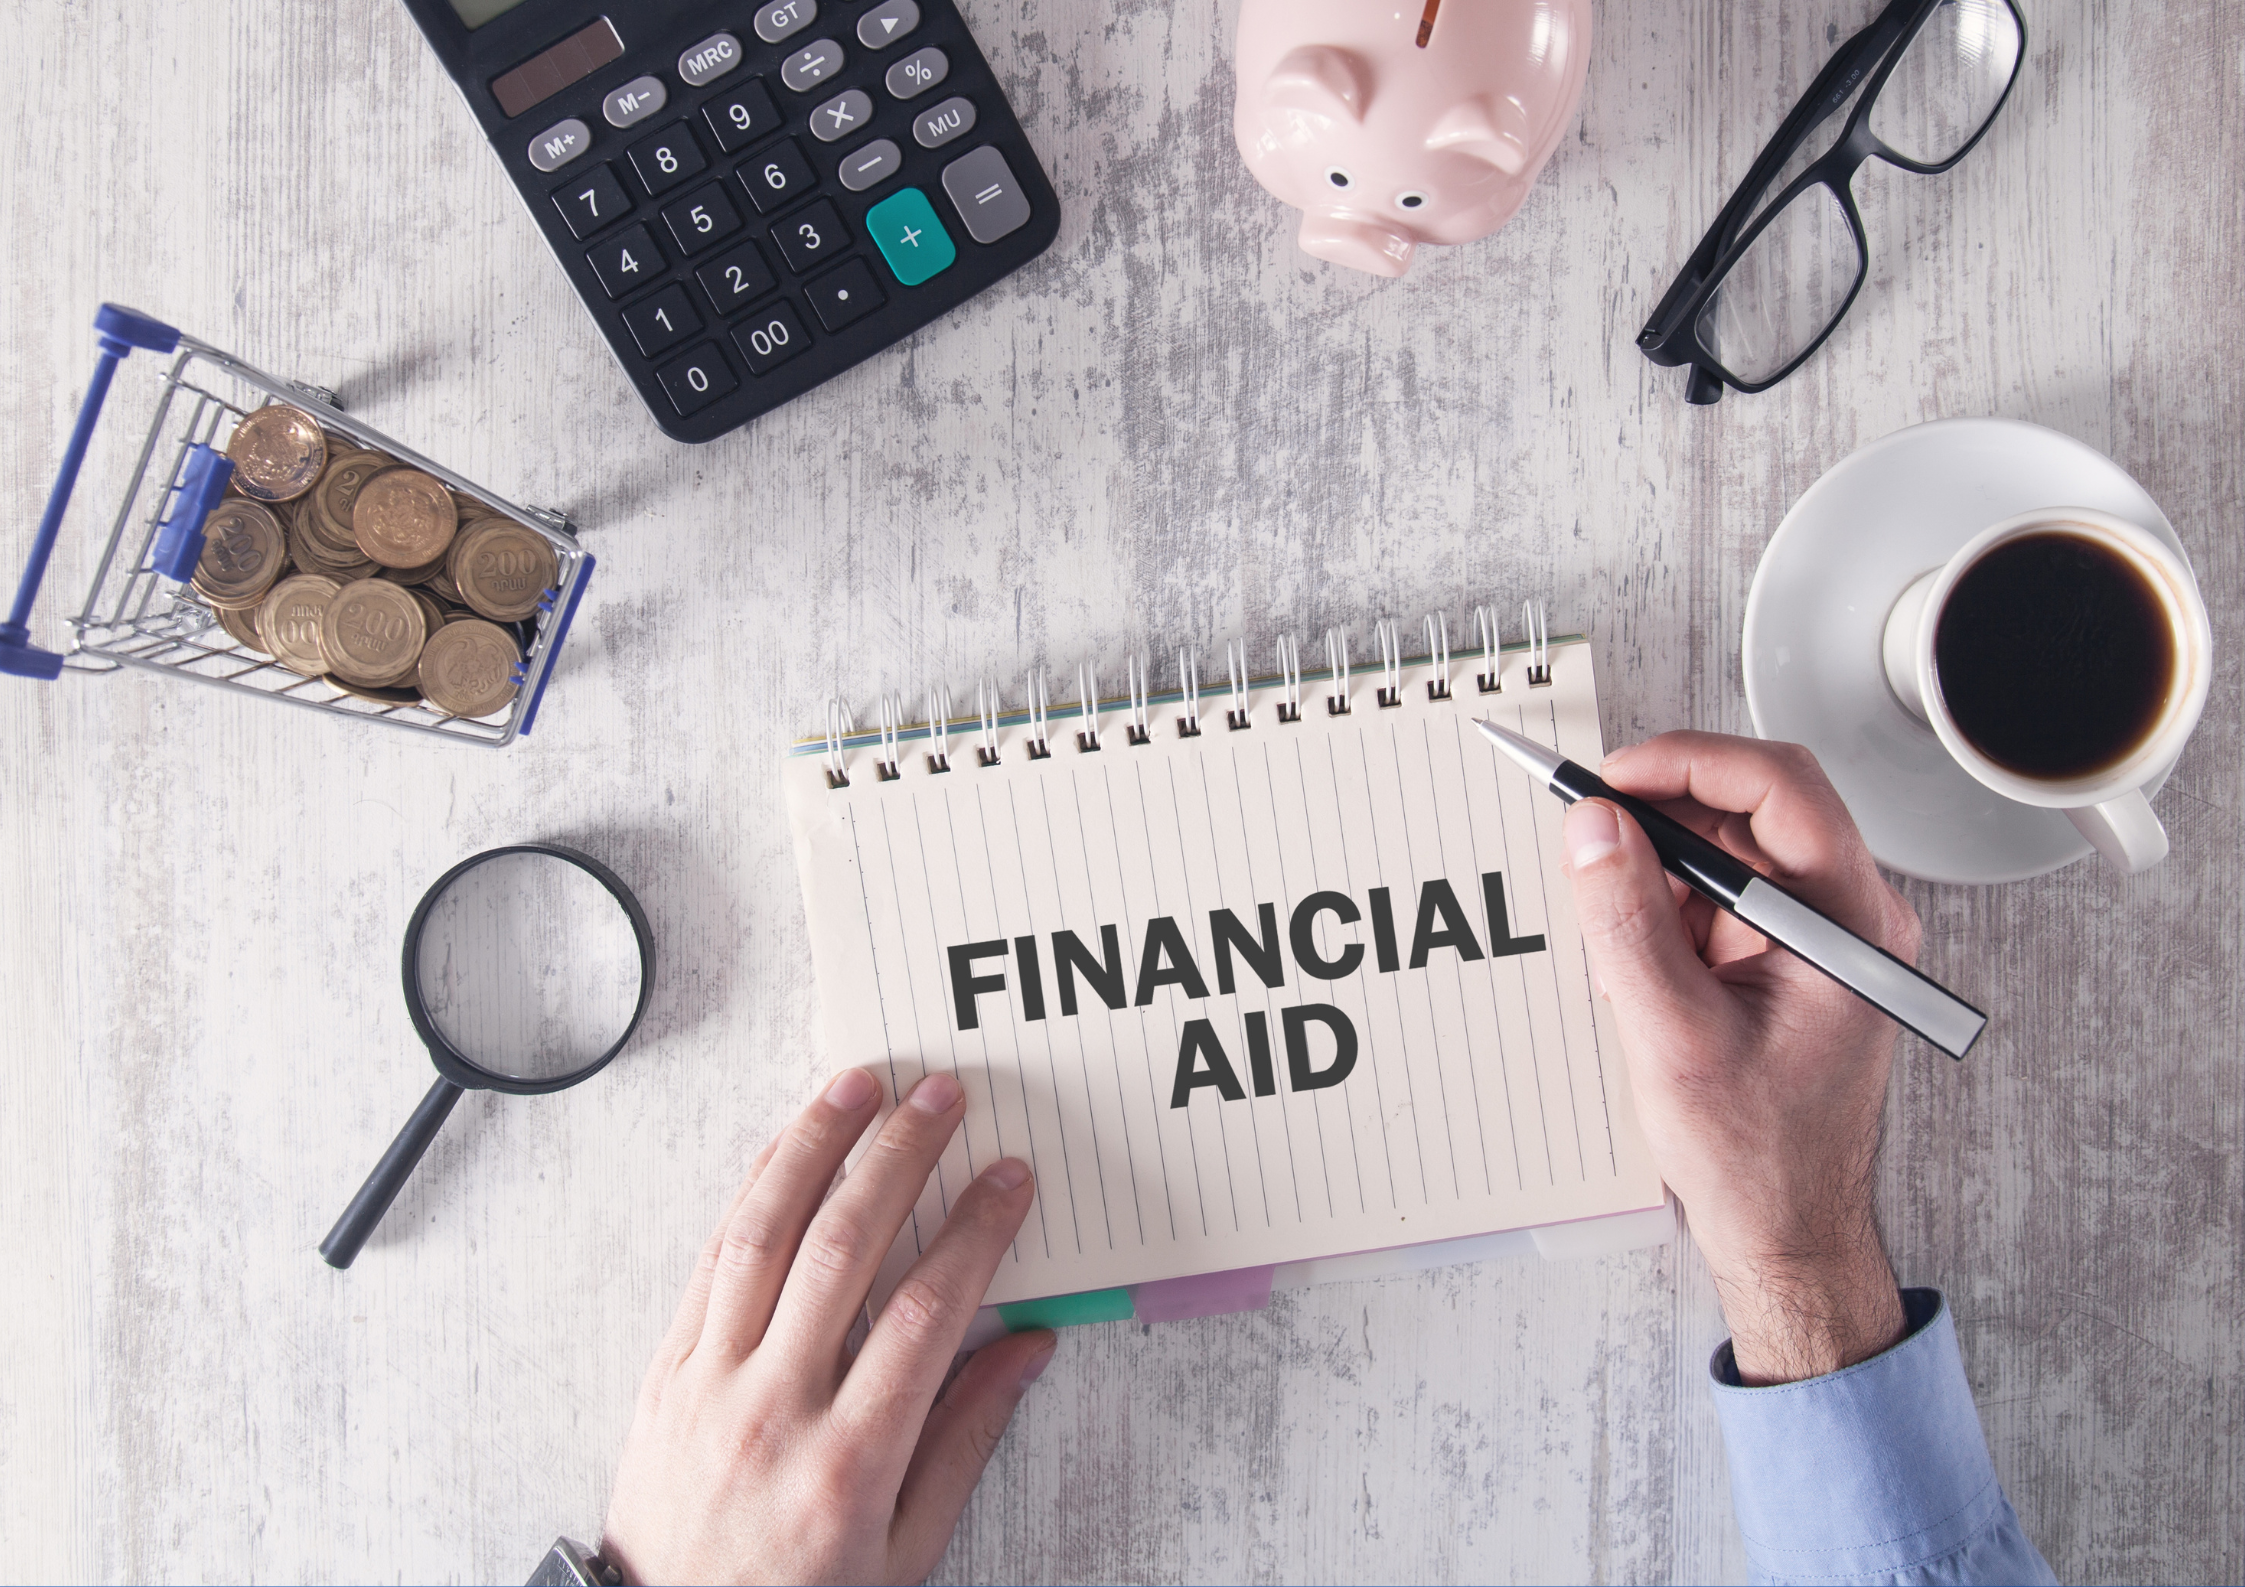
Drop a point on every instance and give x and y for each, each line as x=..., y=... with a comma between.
x=1876, y=1473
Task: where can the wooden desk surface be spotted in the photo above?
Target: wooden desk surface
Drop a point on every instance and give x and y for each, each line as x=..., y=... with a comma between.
x=1173, y=429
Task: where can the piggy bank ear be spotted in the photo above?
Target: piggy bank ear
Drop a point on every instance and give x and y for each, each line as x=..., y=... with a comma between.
x=1475, y=127
x=1322, y=80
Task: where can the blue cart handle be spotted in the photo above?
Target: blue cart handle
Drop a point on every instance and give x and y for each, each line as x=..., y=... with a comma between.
x=120, y=331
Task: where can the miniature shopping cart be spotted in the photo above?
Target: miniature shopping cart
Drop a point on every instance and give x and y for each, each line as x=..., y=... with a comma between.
x=141, y=609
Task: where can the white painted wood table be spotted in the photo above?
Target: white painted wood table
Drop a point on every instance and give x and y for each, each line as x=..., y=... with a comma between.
x=1173, y=429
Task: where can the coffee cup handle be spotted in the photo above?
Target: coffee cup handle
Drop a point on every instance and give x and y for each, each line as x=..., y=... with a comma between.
x=2124, y=831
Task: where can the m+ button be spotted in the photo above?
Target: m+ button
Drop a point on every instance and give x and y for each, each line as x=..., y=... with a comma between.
x=911, y=239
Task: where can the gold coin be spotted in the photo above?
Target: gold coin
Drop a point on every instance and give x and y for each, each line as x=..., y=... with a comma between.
x=430, y=609
x=503, y=569
x=290, y=622
x=371, y=633
x=440, y=584
x=277, y=452
x=404, y=518
x=241, y=627
x=244, y=550
x=337, y=493
x=468, y=667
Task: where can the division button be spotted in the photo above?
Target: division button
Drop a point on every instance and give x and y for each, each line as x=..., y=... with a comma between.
x=918, y=72
x=770, y=337
x=710, y=59
x=954, y=118
x=784, y=19
x=886, y=23
x=845, y=296
x=562, y=142
x=842, y=115
x=696, y=379
x=875, y=163
x=635, y=101
x=903, y=226
x=811, y=65
x=989, y=200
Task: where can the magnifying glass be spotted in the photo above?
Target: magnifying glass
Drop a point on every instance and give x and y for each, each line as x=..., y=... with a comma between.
x=526, y=970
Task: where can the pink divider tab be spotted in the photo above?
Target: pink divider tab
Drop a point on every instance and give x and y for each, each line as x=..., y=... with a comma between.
x=1203, y=1295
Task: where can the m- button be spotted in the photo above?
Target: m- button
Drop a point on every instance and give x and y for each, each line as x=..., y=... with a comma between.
x=904, y=227
x=560, y=143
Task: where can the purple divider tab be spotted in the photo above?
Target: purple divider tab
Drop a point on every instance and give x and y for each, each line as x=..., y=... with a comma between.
x=1203, y=1295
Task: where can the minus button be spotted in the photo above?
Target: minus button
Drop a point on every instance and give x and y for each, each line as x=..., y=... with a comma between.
x=876, y=162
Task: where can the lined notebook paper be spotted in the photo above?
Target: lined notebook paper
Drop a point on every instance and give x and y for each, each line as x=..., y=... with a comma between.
x=1253, y=995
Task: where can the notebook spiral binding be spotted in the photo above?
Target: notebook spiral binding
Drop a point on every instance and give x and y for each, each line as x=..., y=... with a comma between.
x=991, y=715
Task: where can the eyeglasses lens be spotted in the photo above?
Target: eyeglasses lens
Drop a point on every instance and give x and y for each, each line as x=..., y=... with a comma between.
x=1785, y=290
x=1948, y=81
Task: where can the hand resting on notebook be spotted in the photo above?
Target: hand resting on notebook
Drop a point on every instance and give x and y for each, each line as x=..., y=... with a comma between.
x=761, y=1450
x=1759, y=1081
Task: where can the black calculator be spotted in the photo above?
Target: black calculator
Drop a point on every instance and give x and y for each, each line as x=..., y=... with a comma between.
x=751, y=198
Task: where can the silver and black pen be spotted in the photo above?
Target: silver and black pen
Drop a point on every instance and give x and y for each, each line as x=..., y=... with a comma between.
x=1895, y=989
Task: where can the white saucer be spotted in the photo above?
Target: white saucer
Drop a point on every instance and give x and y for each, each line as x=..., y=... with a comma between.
x=1848, y=548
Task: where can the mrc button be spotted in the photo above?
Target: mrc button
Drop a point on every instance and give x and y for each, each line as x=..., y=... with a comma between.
x=560, y=143
x=710, y=59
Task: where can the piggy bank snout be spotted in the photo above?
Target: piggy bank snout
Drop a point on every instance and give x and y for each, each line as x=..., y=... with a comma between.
x=1359, y=244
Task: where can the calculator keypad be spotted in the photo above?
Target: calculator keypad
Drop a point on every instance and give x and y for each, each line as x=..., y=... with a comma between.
x=730, y=251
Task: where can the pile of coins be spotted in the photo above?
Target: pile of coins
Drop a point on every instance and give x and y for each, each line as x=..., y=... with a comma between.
x=347, y=565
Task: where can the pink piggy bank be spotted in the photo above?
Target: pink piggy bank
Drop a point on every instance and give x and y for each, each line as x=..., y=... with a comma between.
x=1390, y=126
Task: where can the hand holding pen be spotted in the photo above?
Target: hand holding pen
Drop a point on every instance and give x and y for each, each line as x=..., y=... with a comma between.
x=1758, y=1079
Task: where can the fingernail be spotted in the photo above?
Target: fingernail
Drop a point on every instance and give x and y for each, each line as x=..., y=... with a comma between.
x=936, y=1094
x=1037, y=1363
x=1592, y=833
x=850, y=1090
x=1007, y=1173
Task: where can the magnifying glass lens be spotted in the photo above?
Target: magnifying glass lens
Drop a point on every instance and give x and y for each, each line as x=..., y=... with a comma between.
x=529, y=968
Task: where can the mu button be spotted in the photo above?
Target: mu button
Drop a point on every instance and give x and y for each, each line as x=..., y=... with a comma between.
x=910, y=238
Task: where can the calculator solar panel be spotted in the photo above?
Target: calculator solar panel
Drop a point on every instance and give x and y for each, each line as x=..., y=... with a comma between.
x=750, y=199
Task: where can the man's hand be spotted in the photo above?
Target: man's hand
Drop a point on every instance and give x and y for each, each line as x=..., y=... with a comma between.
x=763, y=1451
x=1759, y=1081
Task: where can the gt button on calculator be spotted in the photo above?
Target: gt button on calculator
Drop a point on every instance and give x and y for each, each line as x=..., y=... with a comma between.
x=751, y=198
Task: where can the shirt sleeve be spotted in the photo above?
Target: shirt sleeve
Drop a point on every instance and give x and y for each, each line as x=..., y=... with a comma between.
x=1876, y=1473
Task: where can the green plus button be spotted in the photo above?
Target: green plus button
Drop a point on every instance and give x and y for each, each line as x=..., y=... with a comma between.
x=910, y=237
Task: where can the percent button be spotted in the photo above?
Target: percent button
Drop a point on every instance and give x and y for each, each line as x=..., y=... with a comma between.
x=918, y=72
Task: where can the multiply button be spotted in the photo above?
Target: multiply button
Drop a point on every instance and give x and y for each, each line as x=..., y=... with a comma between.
x=886, y=23
x=918, y=72
x=710, y=59
x=785, y=19
x=903, y=226
x=562, y=142
x=954, y=118
x=841, y=115
x=990, y=201
x=811, y=65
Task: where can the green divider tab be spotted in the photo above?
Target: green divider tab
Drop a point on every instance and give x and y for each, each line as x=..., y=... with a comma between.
x=1067, y=1311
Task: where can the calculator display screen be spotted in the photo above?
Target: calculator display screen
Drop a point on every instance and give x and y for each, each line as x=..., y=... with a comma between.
x=477, y=12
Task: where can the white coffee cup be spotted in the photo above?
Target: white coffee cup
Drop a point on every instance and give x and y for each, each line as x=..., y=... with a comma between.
x=2108, y=807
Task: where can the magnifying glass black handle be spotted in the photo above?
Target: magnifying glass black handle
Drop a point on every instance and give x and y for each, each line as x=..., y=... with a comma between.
x=357, y=1225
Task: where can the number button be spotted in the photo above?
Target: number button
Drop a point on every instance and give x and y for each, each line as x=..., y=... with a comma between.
x=667, y=159
x=845, y=296
x=917, y=73
x=697, y=379
x=735, y=280
x=775, y=176
x=701, y=218
x=741, y=117
x=771, y=338
x=627, y=263
x=810, y=237
x=592, y=201
x=811, y=65
x=663, y=321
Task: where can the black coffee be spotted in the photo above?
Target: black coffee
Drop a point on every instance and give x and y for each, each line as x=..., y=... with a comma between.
x=2055, y=656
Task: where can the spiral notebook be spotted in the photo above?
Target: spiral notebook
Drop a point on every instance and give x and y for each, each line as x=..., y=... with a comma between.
x=1262, y=973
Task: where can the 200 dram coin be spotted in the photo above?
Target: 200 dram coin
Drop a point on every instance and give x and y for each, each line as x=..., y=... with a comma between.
x=289, y=622
x=404, y=518
x=371, y=632
x=277, y=453
x=467, y=668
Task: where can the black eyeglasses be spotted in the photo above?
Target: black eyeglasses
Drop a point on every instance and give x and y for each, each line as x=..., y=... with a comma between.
x=1769, y=283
